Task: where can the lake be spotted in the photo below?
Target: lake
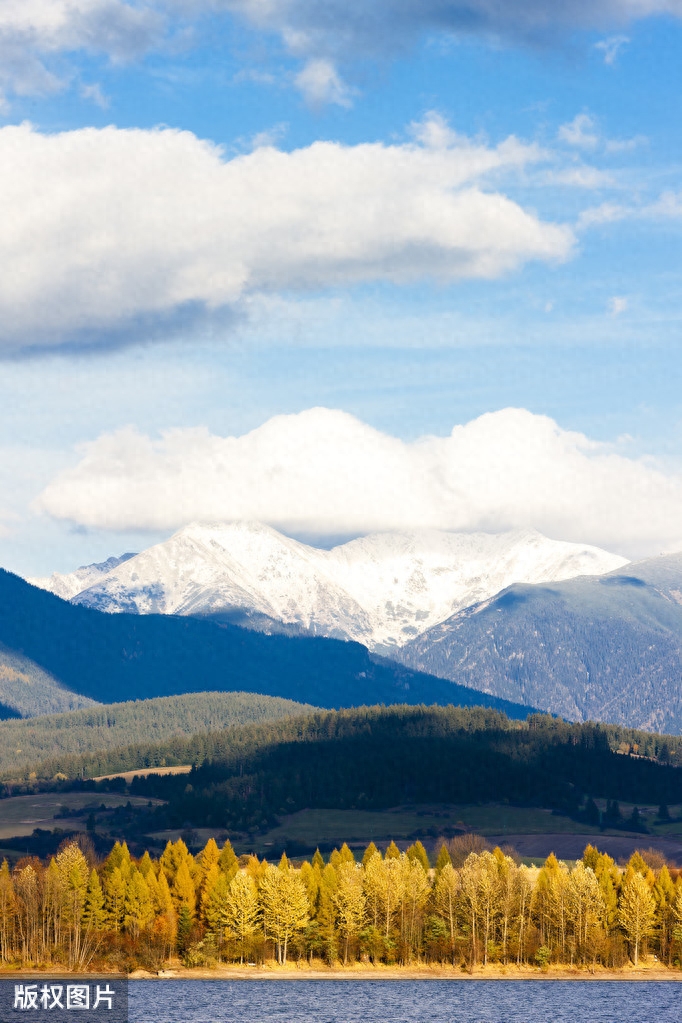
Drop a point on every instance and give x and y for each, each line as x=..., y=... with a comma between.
x=437, y=1001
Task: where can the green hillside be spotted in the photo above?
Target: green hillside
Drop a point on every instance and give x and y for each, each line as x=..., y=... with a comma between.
x=23, y=744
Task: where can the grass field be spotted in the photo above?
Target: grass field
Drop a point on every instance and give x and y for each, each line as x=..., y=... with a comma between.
x=529, y=829
x=20, y=815
x=328, y=828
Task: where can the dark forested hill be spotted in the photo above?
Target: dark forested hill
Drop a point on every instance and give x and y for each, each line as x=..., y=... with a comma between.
x=607, y=648
x=375, y=758
x=118, y=657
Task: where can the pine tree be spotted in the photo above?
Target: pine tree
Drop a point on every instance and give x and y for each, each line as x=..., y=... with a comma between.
x=94, y=915
x=664, y=896
x=145, y=865
x=228, y=860
x=326, y=909
x=114, y=897
x=446, y=894
x=370, y=851
x=636, y=911
x=184, y=931
x=208, y=857
x=241, y=911
x=335, y=859
x=318, y=860
x=347, y=854
x=349, y=902
x=210, y=881
x=285, y=906
x=139, y=911
x=418, y=852
x=443, y=858
x=183, y=891
x=393, y=852
x=7, y=912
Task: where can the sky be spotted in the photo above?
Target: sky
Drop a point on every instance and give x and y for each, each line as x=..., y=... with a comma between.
x=339, y=267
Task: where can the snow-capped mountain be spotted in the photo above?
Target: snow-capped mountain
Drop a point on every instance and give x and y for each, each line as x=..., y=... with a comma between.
x=68, y=584
x=382, y=590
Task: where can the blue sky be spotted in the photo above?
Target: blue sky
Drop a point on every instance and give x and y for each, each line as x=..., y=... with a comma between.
x=156, y=282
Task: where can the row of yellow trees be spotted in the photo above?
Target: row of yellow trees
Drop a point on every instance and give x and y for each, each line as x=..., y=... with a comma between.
x=394, y=907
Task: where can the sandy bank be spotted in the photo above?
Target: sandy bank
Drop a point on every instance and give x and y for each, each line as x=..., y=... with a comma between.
x=303, y=971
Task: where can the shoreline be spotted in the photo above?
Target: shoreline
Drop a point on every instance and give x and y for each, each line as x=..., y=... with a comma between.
x=644, y=972
x=362, y=972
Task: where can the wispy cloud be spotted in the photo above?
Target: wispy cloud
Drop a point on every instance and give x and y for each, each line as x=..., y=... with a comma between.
x=611, y=47
x=95, y=95
x=580, y=132
x=320, y=83
x=34, y=32
x=617, y=305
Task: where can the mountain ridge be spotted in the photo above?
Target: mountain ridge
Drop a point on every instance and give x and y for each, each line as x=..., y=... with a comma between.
x=380, y=590
x=605, y=648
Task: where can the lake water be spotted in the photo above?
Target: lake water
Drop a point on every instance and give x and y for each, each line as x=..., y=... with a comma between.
x=348, y=1001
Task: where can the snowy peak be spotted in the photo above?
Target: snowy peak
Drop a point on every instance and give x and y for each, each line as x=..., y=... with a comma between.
x=69, y=584
x=382, y=590
x=408, y=582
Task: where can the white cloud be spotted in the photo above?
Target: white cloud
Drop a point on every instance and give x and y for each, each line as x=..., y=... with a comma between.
x=110, y=235
x=581, y=176
x=352, y=27
x=325, y=473
x=94, y=93
x=667, y=208
x=605, y=213
x=32, y=32
x=617, y=305
x=580, y=132
x=611, y=47
x=625, y=145
x=320, y=83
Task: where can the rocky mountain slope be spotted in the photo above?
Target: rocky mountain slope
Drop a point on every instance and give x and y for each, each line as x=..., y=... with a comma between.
x=607, y=648
x=381, y=590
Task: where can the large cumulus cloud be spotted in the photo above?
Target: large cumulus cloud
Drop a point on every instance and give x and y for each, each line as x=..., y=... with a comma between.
x=111, y=234
x=324, y=473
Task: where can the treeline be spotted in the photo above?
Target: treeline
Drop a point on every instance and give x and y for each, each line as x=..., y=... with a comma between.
x=134, y=725
x=375, y=758
x=468, y=908
x=99, y=732
x=236, y=742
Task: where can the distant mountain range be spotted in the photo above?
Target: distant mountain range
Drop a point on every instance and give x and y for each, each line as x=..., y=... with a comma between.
x=381, y=590
x=567, y=628
x=606, y=648
x=113, y=658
